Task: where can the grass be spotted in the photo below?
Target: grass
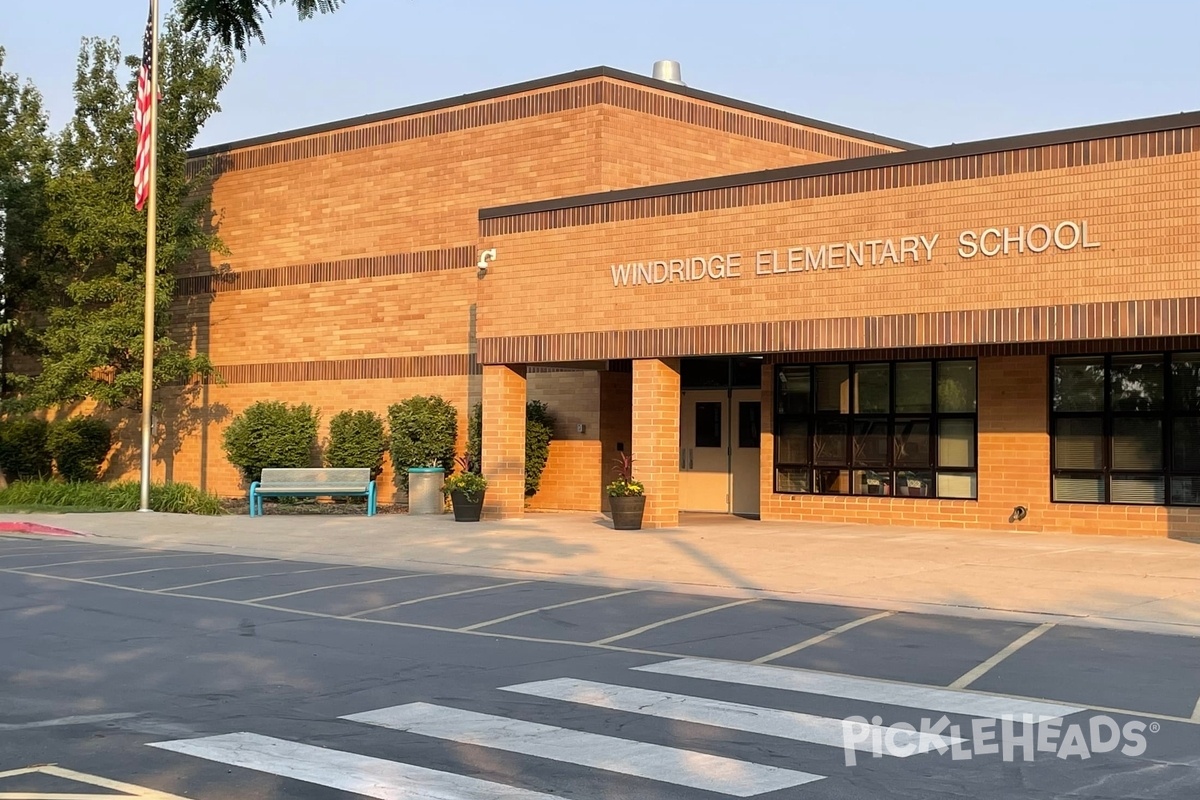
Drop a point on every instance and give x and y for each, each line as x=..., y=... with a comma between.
x=60, y=496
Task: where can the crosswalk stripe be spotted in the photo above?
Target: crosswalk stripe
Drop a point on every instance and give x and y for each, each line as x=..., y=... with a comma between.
x=781, y=724
x=337, y=769
x=931, y=698
x=640, y=759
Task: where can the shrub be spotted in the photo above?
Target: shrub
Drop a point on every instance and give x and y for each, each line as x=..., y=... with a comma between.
x=271, y=434
x=24, y=454
x=539, y=430
x=176, y=498
x=475, y=438
x=356, y=439
x=79, y=446
x=424, y=433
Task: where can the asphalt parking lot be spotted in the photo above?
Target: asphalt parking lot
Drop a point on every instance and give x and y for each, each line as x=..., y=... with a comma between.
x=140, y=665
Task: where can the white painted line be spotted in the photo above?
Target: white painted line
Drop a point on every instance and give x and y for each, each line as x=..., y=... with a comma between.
x=336, y=769
x=81, y=719
x=340, y=585
x=639, y=759
x=105, y=560
x=680, y=618
x=980, y=670
x=56, y=550
x=189, y=566
x=252, y=577
x=416, y=600
x=520, y=614
x=893, y=693
x=127, y=790
x=1196, y=712
x=821, y=637
x=793, y=725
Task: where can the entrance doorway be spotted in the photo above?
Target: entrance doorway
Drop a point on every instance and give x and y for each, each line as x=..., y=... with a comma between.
x=719, y=435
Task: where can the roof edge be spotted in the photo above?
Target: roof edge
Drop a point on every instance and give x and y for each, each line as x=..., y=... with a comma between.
x=1168, y=122
x=543, y=83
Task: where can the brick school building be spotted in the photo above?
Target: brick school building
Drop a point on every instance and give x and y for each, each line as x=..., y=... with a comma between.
x=775, y=316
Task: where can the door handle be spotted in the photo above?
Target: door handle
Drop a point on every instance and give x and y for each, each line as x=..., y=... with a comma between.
x=691, y=458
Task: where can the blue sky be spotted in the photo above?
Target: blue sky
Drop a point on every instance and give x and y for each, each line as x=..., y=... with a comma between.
x=929, y=72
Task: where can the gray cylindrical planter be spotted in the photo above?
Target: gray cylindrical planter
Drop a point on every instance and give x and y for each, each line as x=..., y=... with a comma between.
x=425, y=490
x=627, y=512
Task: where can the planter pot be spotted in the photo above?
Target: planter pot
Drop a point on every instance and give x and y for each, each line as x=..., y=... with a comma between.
x=627, y=512
x=466, y=510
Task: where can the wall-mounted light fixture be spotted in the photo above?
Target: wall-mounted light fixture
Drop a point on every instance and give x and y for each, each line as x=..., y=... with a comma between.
x=485, y=257
x=1019, y=513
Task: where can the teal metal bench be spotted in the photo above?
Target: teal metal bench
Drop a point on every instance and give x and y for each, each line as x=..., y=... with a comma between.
x=312, y=483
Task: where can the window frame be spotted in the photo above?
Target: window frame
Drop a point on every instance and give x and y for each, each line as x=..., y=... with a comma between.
x=812, y=418
x=1166, y=415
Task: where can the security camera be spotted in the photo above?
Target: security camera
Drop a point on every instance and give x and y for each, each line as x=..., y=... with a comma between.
x=484, y=257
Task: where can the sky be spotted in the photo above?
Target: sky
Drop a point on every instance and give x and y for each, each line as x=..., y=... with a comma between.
x=924, y=71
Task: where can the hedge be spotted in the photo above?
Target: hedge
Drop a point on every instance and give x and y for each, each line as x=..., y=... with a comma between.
x=79, y=446
x=271, y=434
x=424, y=433
x=24, y=454
x=356, y=439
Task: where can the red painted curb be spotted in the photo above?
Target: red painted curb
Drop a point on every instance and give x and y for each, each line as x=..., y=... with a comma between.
x=33, y=527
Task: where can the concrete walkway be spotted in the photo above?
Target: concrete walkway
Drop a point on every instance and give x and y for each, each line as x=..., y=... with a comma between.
x=1135, y=583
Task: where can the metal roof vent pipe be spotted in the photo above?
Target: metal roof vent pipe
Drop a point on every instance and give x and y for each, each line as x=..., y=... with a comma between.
x=668, y=71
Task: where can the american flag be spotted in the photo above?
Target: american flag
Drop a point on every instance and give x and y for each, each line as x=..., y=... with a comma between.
x=141, y=118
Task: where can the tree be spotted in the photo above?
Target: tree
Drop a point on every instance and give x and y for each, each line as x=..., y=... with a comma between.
x=24, y=158
x=92, y=241
x=234, y=23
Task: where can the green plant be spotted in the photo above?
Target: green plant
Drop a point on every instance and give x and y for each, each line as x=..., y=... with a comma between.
x=467, y=481
x=23, y=450
x=271, y=434
x=625, y=485
x=175, y=498
x=424, y=433
x=356, y=439
x=79, y=446
x=475, y=437
x=539, y=430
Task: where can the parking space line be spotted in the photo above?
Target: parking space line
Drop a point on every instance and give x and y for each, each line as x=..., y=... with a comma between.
x=414, y=601
x=40, y=551
x=248, y=577
x=977, y=672
x=821, y=637
x=520, y=614
x=670, y=620
x=340, y=585
x=106, y=560
x=616, y=648
x=189, y=566
x=1196, y=712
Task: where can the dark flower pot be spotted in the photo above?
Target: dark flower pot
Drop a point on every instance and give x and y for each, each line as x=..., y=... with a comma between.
x=627, y=512
x=466, y=510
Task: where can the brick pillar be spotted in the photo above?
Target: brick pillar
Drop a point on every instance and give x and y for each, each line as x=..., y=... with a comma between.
x=503, y=442
x=656, y=438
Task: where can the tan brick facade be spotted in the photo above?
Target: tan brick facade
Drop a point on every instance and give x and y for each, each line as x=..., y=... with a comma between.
x=355, y=245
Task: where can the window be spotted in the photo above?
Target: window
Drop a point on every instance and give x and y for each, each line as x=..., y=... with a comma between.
x=889, y=429
x=1126, y=429
x=708, y=425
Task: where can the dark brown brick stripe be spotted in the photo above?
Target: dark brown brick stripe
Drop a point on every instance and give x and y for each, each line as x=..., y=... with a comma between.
x=843, y=178
x=1078, y=347
x=350, y=369
x=1062, y=323
x=596, y=92
x=327, y=271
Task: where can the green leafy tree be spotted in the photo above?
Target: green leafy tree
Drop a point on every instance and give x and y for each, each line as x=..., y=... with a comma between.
x=356, y=439
x=271, y=434
x=25, y=151
x=92, y=243
x=235, y=23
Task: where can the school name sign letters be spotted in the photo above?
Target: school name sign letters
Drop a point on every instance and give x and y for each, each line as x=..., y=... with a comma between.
x=921, y=249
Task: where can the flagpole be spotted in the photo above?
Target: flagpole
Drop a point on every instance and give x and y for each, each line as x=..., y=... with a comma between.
x=151, y=256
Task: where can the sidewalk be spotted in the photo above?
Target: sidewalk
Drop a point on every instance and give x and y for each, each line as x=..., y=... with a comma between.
x=1143, y=584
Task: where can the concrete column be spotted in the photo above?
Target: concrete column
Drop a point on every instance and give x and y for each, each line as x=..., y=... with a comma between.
x=503, y=442
x=656, y=438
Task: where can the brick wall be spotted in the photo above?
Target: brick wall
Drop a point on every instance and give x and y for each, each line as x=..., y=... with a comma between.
x=656, y=438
